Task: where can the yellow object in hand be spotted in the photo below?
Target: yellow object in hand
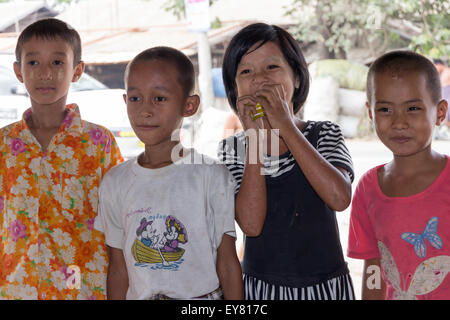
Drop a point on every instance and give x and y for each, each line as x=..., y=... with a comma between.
x=259, y=112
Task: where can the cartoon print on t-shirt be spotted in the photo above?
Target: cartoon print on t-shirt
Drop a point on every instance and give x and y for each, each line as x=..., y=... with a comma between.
x=418, y=240
x=428, y=275
x=157, y=242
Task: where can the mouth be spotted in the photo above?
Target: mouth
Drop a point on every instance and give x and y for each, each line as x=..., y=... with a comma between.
x=45, y=89
x=401, y=139
x=146, y=127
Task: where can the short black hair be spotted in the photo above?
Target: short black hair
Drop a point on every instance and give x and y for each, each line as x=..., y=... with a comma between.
x=262, y=33
x=51, y=28
x=404, y=60
x=184, y=66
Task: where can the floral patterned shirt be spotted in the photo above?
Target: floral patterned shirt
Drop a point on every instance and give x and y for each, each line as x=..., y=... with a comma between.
x=48, y=203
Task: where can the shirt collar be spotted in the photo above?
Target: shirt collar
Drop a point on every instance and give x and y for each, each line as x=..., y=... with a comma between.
x=71, y=124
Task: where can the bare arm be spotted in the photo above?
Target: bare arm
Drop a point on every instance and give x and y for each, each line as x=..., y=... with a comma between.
x=251, y=200
x=117, y=278
x=229, y=269
x=373, y=285
x=331, y=183
x=251, y=203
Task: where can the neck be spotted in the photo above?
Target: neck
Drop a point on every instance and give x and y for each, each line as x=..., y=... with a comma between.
x=411, y=165
x=158, y=156
x=47, y=116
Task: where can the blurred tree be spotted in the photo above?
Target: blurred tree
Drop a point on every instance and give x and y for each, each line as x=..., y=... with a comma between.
x=338, y=25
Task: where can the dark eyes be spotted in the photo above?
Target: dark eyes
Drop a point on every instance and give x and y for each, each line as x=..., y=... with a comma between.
x=269, y=67
x=137, y=99
x=386, y=109
x=133, y=99
x=56, y=62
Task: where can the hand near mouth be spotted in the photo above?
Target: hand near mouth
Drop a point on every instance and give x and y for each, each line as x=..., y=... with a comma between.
x=276, y=107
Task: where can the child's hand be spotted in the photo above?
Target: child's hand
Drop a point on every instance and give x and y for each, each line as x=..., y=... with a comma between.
x=246, y=106
x=273, y=99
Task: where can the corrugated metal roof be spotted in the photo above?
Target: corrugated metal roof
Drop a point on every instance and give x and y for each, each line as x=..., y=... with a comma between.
x=114, y=31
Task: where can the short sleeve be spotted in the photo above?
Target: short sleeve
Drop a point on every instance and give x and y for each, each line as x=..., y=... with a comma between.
x=221, y=203
x=331, y=145
x=362, y=243
x=109, y=219
x=111, y=153
x=232, y=153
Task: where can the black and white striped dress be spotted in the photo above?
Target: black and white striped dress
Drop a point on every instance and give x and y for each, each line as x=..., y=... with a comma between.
x=330, y=144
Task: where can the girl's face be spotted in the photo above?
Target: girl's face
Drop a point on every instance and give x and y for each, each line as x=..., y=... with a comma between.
x=265, y=65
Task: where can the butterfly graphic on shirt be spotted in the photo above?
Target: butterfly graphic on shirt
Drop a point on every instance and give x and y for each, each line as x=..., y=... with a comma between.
x=418, y=239
x=428, y=275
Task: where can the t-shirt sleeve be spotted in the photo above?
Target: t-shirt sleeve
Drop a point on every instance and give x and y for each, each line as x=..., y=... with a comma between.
x=331, y=145
x=221, y=203
x=109, y=219
x=231, y=153
x=362, y=243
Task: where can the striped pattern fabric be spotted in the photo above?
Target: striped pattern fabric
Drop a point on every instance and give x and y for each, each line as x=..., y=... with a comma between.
x=330, y=145
x=339, y=288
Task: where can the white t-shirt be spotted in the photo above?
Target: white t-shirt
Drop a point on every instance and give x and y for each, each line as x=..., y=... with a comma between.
x=169, y=223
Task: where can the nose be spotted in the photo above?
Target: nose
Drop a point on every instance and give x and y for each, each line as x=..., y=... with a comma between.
x=260, y=77
x=399, y=120
x=147, y=109
x=45, y=73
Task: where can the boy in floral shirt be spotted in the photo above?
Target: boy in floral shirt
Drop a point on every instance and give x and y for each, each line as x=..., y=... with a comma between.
x=51, y=165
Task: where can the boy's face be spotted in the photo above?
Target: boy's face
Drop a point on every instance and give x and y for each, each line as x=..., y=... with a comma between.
x=156, y=102
x=403, y=112
x=47, y=70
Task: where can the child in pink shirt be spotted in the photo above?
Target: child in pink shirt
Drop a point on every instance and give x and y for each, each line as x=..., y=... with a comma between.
x=400, y=213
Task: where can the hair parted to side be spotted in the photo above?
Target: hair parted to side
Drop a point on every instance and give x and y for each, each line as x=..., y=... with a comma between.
x=184, y=66
x=51, y=28
x=404, y=60
x=262, y=33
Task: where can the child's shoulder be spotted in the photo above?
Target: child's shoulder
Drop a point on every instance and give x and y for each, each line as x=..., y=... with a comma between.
x=370, y=177
x=10, y=131
x=6, y=130
x=208, y=165
x=120, y=171
x=88, y=127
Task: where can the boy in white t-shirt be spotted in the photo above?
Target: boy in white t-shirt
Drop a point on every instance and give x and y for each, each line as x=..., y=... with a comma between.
x=167, y=215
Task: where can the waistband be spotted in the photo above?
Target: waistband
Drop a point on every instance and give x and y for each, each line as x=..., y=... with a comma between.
x=213, y=295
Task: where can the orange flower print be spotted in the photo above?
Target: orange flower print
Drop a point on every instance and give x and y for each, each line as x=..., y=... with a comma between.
x=88, y=165
x=47, y=209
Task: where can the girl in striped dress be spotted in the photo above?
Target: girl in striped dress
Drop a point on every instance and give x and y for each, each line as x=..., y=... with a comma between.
x=292, y=176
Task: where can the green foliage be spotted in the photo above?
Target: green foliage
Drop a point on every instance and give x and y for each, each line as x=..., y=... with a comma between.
x=177, y=7
x=337, y=23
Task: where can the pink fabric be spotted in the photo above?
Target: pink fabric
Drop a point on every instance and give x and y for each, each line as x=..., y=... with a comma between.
x=410, y=234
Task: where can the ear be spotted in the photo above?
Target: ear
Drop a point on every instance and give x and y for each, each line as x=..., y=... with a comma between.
x=125, y=98
x=442, y=109
x=191, y=105
x=369, y=110
x=17, y=71
x=297, y=82
x=79, y=69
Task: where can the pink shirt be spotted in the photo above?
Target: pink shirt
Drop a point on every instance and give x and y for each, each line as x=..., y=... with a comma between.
x=411, y=235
